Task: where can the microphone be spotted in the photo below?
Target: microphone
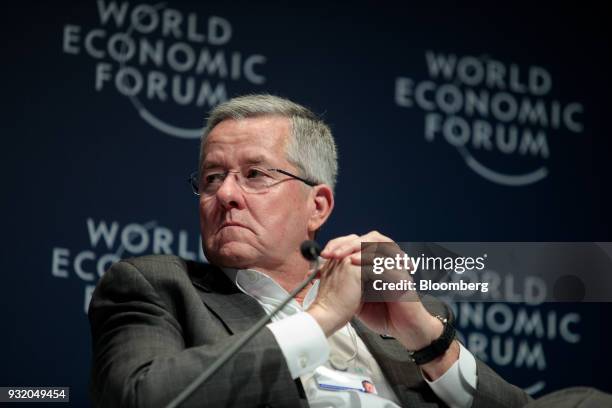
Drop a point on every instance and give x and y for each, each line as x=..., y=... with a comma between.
x=311, y=251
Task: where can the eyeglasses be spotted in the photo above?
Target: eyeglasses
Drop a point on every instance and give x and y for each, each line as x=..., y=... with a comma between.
x=254, y=180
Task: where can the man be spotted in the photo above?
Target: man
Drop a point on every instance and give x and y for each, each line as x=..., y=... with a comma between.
x=265, y=181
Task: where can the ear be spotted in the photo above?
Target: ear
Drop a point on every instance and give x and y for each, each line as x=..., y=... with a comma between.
x=322, y=199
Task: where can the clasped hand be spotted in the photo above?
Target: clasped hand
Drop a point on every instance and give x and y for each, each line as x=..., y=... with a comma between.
x=340, y=297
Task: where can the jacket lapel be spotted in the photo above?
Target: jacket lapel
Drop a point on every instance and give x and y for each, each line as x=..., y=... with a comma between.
x=237, y=311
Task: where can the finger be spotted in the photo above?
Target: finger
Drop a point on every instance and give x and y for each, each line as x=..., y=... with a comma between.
x=349, y=247
x=334, y=244
x=365, y=257
x=375, y=236
x=327, y=268
x=356, y=259
x=362, y=258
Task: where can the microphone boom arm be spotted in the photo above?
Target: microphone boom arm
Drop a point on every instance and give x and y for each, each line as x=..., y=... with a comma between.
x=223, y=358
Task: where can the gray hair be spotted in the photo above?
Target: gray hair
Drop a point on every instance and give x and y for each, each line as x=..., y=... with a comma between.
x=311, y=147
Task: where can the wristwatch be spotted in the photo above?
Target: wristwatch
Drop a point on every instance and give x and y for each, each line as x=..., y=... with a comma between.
x=437, y=347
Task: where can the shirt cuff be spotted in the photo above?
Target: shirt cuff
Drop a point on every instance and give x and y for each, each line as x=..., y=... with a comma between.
x=456, y=387
x=302, y=342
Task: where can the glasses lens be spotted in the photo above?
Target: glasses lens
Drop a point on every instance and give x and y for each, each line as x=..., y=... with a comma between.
x=256, y=180
x=251, y=180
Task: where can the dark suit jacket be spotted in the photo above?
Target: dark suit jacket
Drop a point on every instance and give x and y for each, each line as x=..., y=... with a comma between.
x=158, y=321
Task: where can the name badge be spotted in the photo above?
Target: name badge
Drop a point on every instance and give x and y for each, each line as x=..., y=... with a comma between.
x=332, y=380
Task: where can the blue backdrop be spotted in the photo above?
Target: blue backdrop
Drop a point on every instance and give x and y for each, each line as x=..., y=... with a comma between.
x=475, y=124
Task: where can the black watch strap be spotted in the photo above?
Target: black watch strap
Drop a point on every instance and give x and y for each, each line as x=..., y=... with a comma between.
x=437, y=347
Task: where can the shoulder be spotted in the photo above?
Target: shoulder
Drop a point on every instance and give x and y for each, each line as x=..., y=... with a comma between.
x=162, y=271
x=149, y=263
x=164, y=280
x=159, y=266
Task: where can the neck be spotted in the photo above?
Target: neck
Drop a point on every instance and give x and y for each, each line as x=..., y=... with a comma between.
x=289, y=274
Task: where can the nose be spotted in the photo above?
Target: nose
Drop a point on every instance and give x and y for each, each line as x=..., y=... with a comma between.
x=230, y=194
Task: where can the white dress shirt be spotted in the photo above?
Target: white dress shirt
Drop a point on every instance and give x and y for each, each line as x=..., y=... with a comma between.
x=307, y=352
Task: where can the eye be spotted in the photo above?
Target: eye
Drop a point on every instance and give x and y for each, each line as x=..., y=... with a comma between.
x=256, y=173
x=213, y=178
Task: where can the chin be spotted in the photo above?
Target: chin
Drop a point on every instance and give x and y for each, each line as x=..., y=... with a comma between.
x=233, y=254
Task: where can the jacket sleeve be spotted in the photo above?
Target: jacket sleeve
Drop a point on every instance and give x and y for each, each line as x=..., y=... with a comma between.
x=142, y=356
x=492, y=391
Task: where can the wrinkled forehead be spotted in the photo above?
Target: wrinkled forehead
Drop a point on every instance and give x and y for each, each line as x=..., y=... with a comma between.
x=256, y=140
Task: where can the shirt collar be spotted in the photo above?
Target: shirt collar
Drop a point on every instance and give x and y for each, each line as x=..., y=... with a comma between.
x=263, y=288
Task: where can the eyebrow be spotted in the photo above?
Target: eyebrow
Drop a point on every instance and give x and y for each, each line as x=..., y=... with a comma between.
x=258, y=159
x=210, y=165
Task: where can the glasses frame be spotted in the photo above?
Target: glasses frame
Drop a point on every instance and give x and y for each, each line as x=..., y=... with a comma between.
x=194, y=182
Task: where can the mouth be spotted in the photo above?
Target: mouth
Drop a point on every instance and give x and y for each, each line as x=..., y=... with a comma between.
x=232, y=224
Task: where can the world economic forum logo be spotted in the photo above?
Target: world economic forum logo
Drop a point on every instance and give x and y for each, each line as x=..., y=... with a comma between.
x=498, y=116
x=156, y=55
